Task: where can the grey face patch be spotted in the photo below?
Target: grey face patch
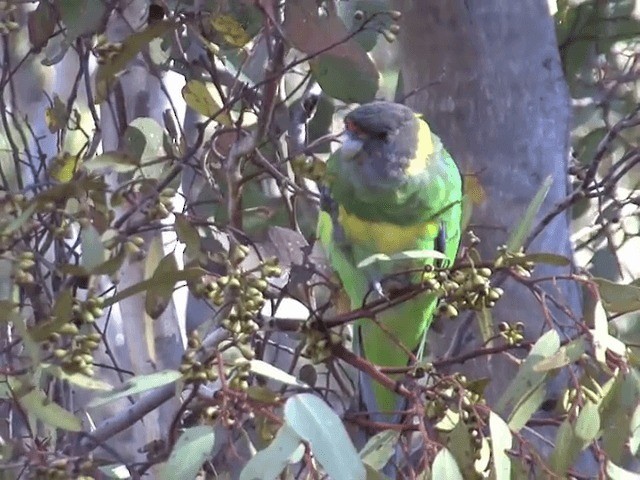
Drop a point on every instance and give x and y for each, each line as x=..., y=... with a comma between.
x=391, y=139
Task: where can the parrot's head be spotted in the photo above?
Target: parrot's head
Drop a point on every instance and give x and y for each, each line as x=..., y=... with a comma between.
x=387, y=140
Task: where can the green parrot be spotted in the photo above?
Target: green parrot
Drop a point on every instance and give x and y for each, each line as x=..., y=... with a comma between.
x=390, y=188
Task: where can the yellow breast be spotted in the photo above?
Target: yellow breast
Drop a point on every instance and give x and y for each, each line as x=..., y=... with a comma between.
x=385, y=237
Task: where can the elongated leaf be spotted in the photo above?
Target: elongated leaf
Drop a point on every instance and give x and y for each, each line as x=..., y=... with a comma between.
x=119, y=162
x=189, y=453
x=445, y=466
x=617, y=298
x=267, y=464
x=566, y=451
x=267, y=370
x=36, y=403
x=501, y=441
x=160, y=292
x=587, y=424
x=131, y=46
x=93, y=251
x=614, y=472
x=527, y=381
x=379, y=449
x=517, y=238
x=566, y=355
x=115, y=470
x=77, y=379
x=181, y=275
x=315, y=422
x=205, y=99
x=138, y=384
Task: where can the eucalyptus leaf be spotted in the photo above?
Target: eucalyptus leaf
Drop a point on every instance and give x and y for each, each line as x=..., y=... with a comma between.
x=267, y=464
x=188, y=454
x=519, y=235
x=137, y=384
x=501, y=441
x=315, y=422
x=445, y=466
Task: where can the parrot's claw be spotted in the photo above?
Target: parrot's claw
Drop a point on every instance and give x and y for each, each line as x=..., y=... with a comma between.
x=377, y=288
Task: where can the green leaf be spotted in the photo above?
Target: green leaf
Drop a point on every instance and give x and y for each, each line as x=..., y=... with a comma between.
x=634, y=440
x=137, y=384
x=617, y=298
x=523, y=390
x=160, y=292
x=445, y=466
x=82, y=17
x=379, y=449
x=187, y=274
x=36, y=403
x=541, y=258
x=61, y=314
x=519, y=235
x=460, y=444
x=188, y=454
x=20, y=220
x=408, y=255
x=344, y=79
x=315, y=422
x=77, y=379
x=566, y=355
x=118, y=162
x=143, y=139
x=587, y=424
x=614, y=472
x=343, y=69
x=115, y=470
x=189, y=235
x=267, y=370
x=566, y=451
x=93, y=251
x=267, y=464
x=501, y=441
x=131, y=46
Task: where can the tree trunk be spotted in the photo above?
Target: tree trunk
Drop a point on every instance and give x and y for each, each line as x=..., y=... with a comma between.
x=487, y=75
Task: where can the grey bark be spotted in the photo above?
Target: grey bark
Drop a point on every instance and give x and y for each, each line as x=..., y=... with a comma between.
x=487, y=76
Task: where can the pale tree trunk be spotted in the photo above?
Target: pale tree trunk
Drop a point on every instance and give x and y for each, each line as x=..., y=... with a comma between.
x=487, y=76
x=142, y=344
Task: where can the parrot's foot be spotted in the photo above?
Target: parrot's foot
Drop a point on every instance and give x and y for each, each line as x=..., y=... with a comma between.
x=376, y=286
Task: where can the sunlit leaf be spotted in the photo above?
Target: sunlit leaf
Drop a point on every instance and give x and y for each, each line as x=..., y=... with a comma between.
x=205, y=99
x=501, y=441
x=118, y=162
x=137, y=384
x=270, y=462
x=230, y=29
x=56, y=115
x=267, y=370
x=566, y=355
x=445, y=466
x=519, y=235
x=315, y=422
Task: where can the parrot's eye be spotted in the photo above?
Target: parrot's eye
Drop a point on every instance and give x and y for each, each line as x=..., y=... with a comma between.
x=354, y=129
